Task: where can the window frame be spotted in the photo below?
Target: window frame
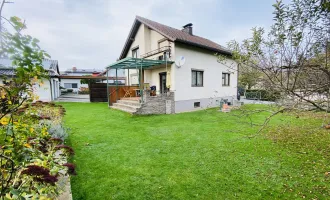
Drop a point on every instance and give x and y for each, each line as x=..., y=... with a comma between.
x=71, y=85
x=74, y=84
x=197, y=71
x=135, y=51
x=225, y=79
x=161, y=41
x=197, y=104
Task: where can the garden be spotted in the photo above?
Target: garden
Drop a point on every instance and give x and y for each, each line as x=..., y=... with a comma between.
x=200, y=155
x=33, y=154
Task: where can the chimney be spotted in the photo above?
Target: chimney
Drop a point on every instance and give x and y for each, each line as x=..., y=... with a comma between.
x=188, y=28
x=74, y=69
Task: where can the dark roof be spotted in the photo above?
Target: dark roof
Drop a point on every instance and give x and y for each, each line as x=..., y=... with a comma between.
x=172, y=34
x=11, y=72
x=7, y=69
x=6, y=72
x=83, y=71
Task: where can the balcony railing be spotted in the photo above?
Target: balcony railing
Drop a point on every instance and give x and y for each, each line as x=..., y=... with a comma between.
x=157, y=51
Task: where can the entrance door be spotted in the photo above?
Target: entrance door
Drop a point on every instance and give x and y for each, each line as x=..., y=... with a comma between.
x=162, y=83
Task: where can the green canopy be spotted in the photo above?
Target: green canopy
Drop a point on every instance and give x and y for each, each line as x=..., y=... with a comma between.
x=133, y=63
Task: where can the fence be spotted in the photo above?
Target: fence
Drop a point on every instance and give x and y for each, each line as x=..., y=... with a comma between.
x=98, y=92
x=118, y=92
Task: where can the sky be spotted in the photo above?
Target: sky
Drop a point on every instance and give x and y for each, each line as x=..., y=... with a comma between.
x=90, y=34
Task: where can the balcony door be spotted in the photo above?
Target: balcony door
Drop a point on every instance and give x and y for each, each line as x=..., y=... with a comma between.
x=162, y=82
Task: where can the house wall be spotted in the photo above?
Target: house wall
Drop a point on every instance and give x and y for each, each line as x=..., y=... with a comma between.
x=147, y=40
x=44, y=92
x=152, y=76
x=55, y=84
x=212, y=90
x=73, y=81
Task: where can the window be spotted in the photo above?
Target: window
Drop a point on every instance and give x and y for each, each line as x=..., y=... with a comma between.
x=225, y=79
x=197, y=104
x=135, y=52
x=161, y=57
x=197, y=78
x=71, y=85
x=162, y=43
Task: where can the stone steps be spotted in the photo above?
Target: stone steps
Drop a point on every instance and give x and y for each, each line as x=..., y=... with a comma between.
x=130, y=105
x=130, y=102
x=123, y=109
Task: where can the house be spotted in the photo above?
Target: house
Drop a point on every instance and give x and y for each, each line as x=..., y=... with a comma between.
x=180, y=65
x=70, y=79
x=48, y=91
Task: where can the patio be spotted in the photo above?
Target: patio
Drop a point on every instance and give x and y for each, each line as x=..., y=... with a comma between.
x=142, y=98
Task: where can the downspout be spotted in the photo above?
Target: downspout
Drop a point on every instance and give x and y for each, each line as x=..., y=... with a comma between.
x=166, y=70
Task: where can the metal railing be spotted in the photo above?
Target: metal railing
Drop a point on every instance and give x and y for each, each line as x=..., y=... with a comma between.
x=157, y=51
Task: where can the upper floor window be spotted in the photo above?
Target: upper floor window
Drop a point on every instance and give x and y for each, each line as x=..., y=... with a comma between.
x=197, y=78
x=225, y=79
x=162, y=43
x=135, y=52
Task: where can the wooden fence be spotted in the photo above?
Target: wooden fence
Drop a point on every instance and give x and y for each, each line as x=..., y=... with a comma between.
x=98, y=92
x=118, y=92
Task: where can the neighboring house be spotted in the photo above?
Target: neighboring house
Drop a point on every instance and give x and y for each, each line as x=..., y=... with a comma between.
x=49, y=90
x=199, y=83
x=70, y=78
x=112, y=74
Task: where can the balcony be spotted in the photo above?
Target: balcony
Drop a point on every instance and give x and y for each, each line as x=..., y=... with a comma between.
x=157, y=51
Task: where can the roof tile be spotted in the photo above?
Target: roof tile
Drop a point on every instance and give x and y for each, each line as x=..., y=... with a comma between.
x=179, y=35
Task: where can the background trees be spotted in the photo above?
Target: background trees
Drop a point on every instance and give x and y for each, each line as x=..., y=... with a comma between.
x=293, y=56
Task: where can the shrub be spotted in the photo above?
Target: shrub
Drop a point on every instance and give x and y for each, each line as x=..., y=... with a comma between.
x=70, y=90
x=262, y=95
x=83, y=90
x=55, y=130
x=34, y=151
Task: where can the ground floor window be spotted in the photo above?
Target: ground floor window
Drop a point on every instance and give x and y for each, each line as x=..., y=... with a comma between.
x=197, y=104
x=71, y=85
x=197, y=78
x=225, y=79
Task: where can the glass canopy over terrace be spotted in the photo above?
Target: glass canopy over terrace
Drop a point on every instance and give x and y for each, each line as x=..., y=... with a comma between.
x=137, y=63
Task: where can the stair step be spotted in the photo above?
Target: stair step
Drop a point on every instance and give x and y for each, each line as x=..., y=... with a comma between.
x=130, y=102
x=126, y=107
x=117, y=108
x=131, y=99
x=123, y=109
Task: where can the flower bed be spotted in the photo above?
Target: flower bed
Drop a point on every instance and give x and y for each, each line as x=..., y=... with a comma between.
x=33, y=153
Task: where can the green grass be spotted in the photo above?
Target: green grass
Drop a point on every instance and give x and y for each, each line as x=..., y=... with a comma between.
x=198, y=155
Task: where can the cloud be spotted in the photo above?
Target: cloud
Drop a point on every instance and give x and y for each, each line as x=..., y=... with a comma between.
x=91, y=34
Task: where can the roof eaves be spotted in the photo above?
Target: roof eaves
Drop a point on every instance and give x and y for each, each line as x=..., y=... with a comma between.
x=205, y=47
x=128, y=42
x=137, y=22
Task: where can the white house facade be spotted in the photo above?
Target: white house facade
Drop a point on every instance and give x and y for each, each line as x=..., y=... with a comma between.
x=48, y=90
x=200, y=82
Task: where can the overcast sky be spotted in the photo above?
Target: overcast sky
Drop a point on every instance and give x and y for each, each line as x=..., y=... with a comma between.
x=91, y=33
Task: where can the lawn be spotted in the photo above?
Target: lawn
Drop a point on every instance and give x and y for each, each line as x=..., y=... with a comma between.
x=197, y=155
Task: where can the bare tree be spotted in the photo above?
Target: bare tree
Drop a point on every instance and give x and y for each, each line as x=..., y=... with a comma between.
x=293, y=56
